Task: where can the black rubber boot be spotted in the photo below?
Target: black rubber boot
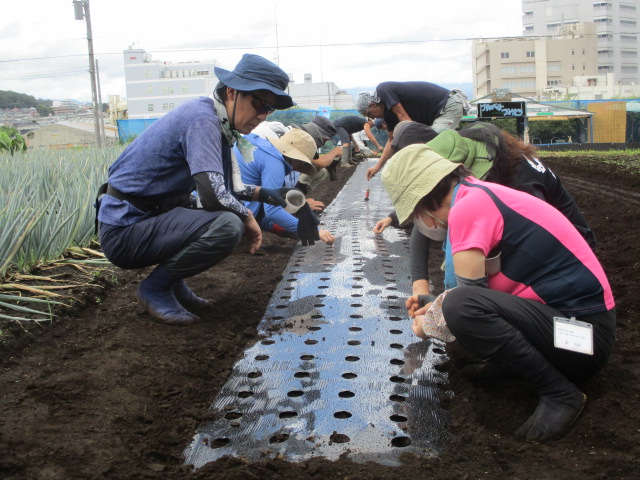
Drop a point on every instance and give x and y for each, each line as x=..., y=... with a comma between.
x=187, y=298
x=332, y=169
x=561, y=402
x=155, y=293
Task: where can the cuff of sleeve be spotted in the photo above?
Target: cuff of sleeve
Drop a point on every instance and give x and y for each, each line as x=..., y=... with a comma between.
x=394, y=220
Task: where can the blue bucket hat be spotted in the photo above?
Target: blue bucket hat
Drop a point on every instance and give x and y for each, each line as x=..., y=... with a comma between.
x=254, y=72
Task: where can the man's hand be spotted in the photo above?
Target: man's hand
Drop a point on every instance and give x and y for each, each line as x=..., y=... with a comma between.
x=315, y=205
x=326, y=159
x=307, y=225
x=371, y=172
x=382, y=225
x=252, y=233
x=327, y=237
x=273, y=196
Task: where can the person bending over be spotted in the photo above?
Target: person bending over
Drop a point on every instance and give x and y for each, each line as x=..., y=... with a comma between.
x=532, y=299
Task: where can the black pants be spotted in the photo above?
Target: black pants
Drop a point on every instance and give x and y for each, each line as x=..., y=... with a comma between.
x=485, y=320
x=185, y=241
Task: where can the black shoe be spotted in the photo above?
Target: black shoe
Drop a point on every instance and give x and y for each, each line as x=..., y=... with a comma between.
x=553, y=417
x=358, y=157
x=561, y=402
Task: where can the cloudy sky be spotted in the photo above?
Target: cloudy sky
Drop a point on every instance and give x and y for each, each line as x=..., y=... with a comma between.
x=44, y=53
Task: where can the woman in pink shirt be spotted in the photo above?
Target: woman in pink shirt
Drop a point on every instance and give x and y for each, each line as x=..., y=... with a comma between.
x=532, y=299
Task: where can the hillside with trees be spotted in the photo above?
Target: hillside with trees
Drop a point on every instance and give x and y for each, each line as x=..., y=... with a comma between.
x=11, y=99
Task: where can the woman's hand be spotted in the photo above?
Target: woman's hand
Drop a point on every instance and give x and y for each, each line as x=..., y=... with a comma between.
x=420, y=287
x=382, y=225
x=416, y=326
x=413, y=306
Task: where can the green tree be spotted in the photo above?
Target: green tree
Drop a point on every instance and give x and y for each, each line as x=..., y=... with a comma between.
x=44, y=110
x=11, y=141
x=11, y=99
x=552, y=131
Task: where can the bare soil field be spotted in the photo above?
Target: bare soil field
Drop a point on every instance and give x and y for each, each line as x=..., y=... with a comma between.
x=103, y=392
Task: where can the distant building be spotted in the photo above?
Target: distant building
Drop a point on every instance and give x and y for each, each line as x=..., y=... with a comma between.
x=64, y=107
x=64, y=135
x=154, y=87
x=617, y=36
x=528, y=66
x=117, y=109
x=594, y=87
x=311, y=95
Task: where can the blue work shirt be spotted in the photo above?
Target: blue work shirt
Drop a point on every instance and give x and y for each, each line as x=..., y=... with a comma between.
x=263, y=165
x=164, y=158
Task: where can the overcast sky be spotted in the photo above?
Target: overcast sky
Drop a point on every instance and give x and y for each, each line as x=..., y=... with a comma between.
x=44, y=53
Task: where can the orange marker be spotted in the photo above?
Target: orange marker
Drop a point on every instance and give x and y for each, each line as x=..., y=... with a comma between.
x=366, y=195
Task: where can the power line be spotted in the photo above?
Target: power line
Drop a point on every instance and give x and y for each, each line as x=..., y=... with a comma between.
x=46, y=74
x=318, y=45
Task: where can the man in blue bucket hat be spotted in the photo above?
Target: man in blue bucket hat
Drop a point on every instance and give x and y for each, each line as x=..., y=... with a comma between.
x=146, y=210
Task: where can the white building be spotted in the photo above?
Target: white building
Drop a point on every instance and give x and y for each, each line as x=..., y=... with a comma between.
x=154, y=87
x=617, y=30
x=311, y=95
x=598, y=87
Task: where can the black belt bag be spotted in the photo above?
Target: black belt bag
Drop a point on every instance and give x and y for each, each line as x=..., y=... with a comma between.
x=152, y=205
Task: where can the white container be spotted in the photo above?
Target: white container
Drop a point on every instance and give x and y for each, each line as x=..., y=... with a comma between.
x=295, y=200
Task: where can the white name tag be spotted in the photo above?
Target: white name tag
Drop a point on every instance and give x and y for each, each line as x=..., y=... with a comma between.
x=572, y=334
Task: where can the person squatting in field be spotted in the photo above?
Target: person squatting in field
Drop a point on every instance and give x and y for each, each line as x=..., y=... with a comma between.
x=268, y=163
x=145, y=211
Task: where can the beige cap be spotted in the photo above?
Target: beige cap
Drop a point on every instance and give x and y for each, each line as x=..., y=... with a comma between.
x=299, y=147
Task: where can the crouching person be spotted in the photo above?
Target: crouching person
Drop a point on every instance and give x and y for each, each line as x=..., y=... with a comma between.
x=145, y=214
x=532, y=299
x=268, y=163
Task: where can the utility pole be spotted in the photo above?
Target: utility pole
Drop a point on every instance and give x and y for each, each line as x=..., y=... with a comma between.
x=101, y=116
x=81, y=8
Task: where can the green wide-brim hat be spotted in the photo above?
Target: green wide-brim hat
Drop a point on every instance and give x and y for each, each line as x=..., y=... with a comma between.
x=411, y=174
x=471, y=153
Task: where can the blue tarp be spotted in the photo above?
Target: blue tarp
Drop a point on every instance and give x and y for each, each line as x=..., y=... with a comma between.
x=130, y=129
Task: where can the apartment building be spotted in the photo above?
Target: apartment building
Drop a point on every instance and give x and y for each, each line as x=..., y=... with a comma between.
x=156, y=87
x=529, y=66
x=617, y=32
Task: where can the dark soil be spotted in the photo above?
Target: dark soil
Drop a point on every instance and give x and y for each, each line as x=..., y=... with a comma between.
x=104, y=392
